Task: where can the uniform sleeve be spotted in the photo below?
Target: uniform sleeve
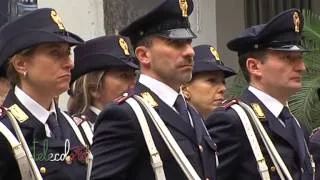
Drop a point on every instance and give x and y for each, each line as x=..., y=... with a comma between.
x=8, y=164
x=223, y=128
x=115, y=144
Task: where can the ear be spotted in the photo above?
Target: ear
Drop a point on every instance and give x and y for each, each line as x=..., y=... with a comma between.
x=20, y=64
x=186, y=92
x=143, y=54
x=254, y=66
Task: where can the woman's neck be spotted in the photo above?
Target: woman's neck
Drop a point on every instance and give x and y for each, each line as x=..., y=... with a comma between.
x=38, y=95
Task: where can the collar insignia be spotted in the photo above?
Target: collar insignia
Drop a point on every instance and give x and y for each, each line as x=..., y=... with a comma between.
x=18, y=113
x=147, y=97
x=257, y=109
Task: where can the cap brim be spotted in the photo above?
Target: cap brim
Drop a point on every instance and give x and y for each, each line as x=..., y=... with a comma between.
x=179, y=33
x=92, y=62
x=293, y=48
x=209, y=67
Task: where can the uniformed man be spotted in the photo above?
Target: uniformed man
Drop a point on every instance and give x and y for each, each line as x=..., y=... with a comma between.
x=271, y=59
x=162, y=40
x=207, y=87
x=34, y=51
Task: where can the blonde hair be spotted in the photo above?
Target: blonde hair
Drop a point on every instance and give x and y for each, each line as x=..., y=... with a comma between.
x=12, y=74
x=83, y=90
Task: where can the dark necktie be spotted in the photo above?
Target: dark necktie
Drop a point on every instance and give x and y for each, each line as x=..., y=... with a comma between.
x=293, y=128
x=182, y=109
x=286, y=117
x=54, y=126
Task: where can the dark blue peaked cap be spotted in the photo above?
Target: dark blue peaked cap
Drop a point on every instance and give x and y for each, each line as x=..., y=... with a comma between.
x=283, y=32
x=39, y=26
x=102, y=53
x=207, y=59
x=168, y=19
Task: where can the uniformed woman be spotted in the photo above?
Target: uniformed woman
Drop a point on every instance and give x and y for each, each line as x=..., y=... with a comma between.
x=207, y=87
x=104, y=70
x=35, y=54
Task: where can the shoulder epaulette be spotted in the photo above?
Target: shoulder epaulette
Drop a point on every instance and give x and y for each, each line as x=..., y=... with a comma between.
x=123, y=97
x=228, y=103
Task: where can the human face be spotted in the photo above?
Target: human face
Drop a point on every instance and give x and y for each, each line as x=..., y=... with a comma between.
x=206, y=91
x=48, y=69
x=281, y=72
x=171, y=61
x=115, y=82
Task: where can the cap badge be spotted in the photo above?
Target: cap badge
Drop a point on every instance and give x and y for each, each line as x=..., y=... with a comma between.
x=124, y=46
x=18, y=113
x=257, y=109
x=57, y=19
x=184, y=7
x=216, y=55
x=147, y=97
x=296, y=21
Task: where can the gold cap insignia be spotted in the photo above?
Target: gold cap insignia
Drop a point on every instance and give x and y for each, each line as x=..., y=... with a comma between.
x=215, y=53
x=184, y=7
x=296, y=21
x=147, y=97
x=257, y=109
x=57, y=19
x=18, y=113
x=123, y=44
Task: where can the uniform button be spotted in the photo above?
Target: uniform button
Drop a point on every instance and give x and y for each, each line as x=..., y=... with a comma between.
x=43, y=170
x=68, y=160
x=302, y=170
x=83, y=116
x=273, y=169
x=207, y=179
x=200, y=148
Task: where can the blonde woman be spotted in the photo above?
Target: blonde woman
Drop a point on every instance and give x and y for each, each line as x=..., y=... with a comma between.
x=104, y=70
x=34, y=51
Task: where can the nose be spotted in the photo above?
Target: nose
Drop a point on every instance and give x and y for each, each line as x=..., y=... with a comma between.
x=69, y=64
x=188, y=51
x=301, y=66
x=222, y=88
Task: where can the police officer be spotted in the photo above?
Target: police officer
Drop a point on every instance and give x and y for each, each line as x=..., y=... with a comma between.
x=314, y=147
x=271, y=59
x=207, y=87
x=104, y=69
x=34, y=51
x=162, y=40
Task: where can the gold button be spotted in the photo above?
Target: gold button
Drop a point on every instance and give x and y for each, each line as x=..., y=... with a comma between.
x=200, y=148
x=68, y=160
x=43, y=170
x=273, y=169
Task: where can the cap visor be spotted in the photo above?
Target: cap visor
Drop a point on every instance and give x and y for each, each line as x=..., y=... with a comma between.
x=208, y=67
x=294, y=48
x=179, y=33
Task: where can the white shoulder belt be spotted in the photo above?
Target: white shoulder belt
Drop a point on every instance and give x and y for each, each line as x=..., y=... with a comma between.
x=166, y=136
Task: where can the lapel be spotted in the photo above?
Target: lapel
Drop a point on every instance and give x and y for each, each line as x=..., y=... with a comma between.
x=197, y=122
x=273, y=122
x=168, y=115
x=301, y=143
x=91, y=116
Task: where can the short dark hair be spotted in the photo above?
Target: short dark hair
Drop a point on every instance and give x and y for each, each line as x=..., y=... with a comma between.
x=257, y=54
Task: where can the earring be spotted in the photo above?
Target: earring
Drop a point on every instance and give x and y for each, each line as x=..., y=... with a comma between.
x=25, y=73
x=186, y=95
